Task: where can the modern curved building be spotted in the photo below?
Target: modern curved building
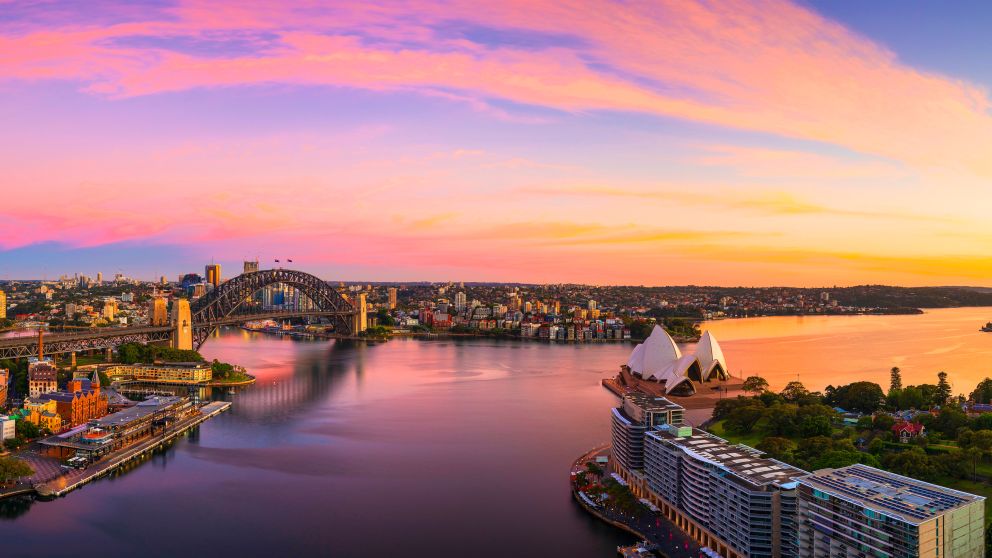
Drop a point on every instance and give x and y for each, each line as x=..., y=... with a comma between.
x=729, y=497
x=658, y=359
x=710, y=358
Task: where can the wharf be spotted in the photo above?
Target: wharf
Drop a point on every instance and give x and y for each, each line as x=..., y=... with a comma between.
x=74, y=479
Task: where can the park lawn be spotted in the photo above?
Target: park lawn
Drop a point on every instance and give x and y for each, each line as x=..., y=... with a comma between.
x=752, y=439
x=975, y=487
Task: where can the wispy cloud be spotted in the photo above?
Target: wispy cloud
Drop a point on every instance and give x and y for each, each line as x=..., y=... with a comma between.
x=771, y=66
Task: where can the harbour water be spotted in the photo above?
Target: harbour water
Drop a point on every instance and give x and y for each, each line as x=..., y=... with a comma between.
x=441, y=448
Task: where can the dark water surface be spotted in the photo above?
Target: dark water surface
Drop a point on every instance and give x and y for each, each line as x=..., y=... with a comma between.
x=434, y=448
x=416, y=448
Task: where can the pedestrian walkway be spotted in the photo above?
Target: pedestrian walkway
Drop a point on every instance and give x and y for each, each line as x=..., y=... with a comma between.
x=647, y=525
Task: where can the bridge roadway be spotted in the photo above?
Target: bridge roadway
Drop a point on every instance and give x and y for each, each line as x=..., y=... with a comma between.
x=109, y=337
x=95, y=339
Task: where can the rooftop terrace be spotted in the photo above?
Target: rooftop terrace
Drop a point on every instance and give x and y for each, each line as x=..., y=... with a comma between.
x=652, y=403
x=742, y=461
x=909, y=499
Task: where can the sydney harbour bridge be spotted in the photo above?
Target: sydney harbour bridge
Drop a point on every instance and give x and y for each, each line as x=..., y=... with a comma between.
x=231, y=303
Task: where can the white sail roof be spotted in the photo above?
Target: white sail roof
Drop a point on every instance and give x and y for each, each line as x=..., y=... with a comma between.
x=659, y=359
x=659, y=351
x=710, y=356
x=636, y=360
x=676, y=372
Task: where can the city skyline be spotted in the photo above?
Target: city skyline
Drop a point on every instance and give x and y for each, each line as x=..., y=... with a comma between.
x=769, y=143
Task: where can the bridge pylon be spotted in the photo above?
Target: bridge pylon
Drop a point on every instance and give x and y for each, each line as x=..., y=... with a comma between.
x=182, y=321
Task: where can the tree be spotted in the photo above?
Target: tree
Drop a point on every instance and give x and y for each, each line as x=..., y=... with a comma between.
x=895, y=379
x=982, y=422
x=384, y=318
x=724, y=407
x=745, y=417
x=780, y=419
x=26, y=429
x=794, y=391
x=834, y=459
x=949, y=421
x=13, y=469
x=913, y=462
x=983, y=391
x=776, y=448
x=876, y=446
x=863, y=397
x=593, y=469
x=815, y=426
x=943, y=389
x=755, y=384
x=883, y=423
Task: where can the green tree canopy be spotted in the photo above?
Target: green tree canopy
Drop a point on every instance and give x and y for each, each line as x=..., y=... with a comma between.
x=982, y=392
x=863, y=397
x=895, y=379
x=943, y=389
x=744, y=418
x=776, y=448
x=794, y=391
x=755, y=384
x=12, y=469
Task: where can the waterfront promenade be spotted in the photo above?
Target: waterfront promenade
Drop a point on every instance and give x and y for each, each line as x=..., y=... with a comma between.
x=51, y=480
x=648, y=526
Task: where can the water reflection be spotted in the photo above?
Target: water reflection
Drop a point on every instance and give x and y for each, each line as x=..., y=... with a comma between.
x=12, y=508
x=822, y=350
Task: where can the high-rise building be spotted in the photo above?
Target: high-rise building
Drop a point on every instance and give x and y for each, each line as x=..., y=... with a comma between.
x=591, y=305
x=109, y=309
x=859, y=511
x=251, y=266
x=212, y=273
x=158, y=311
x=460, y=301
x=392, y=298
x=163, y=280
x=3, y=305
x=637, y=413
x=726, y=496
x=99, y=277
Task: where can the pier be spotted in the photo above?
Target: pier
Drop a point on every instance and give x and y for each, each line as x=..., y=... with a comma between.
x=74, y=478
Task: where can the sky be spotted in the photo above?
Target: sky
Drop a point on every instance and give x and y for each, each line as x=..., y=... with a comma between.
x=758, y=142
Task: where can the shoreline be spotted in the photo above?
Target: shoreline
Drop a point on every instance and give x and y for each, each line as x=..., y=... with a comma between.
x=72, y=479
x=588, y=456
x=649, y=526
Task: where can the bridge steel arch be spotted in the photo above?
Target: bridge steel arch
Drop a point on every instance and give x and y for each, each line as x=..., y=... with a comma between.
x=222, y=305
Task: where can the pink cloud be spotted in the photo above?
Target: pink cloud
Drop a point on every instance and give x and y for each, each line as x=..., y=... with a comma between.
x=770, y=66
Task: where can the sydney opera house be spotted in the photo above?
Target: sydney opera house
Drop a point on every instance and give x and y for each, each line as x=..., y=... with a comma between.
x=657, y=366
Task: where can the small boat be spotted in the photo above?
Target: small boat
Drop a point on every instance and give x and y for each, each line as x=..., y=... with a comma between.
x=988, y=327
x=643, y=548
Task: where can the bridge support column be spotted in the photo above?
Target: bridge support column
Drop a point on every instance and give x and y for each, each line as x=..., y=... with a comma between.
x=182, y=336
x=360, y=320
x=107, y=357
